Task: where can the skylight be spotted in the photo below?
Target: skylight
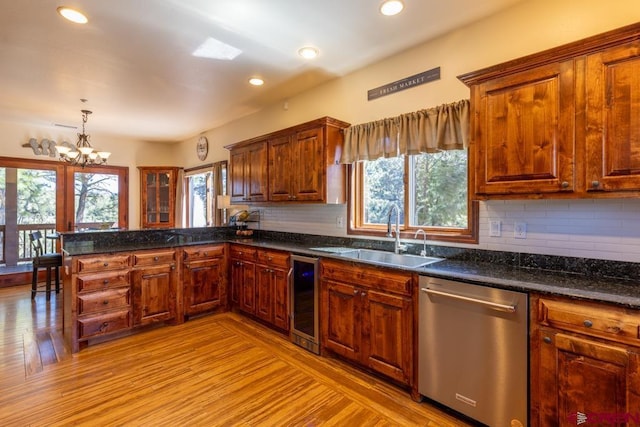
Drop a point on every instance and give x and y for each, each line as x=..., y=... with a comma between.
x=215, y=49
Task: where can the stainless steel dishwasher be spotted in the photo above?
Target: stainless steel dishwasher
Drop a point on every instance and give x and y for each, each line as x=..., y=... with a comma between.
x=473, y=350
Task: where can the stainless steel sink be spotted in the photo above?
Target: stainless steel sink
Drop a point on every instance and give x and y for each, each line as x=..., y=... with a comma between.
x=389, y=258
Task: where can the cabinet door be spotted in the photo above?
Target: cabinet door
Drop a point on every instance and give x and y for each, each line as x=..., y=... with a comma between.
x=248, y=288
x=613, y=128
x=264, y=293
x=237, y=160
x=341, y=320
x=157, y=193
x=256, y=179
x=579, y=375
x=388, y=337
x=523, y=131
x=308, y=165
x=155, y=294
x=281, y=298
x=203, y=282
x=281, y=161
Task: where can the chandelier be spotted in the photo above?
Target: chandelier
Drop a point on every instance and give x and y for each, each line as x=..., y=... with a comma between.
x=83, y=153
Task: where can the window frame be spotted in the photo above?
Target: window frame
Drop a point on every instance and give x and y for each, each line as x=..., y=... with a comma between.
x=355, y=210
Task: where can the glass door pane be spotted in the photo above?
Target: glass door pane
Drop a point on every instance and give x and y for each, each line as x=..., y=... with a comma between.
x=163, y=196
x=36, y=209
x=199, y=200
x=96, y=201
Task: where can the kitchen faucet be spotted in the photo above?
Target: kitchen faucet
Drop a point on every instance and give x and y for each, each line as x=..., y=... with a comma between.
x=423, y=252
x=398, y=247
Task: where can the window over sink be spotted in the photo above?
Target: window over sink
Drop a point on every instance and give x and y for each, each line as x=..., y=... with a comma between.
x=430, y=189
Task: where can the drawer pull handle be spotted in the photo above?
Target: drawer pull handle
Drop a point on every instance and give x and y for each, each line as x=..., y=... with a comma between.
x=588, y=323
x=104, y=326
x=547, y=340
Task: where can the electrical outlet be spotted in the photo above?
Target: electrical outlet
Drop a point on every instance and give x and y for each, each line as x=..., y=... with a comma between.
x=339, y=221
x=495, y=228
x=520, y=230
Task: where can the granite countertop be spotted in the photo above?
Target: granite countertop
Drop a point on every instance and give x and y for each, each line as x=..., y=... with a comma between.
x=595, y=287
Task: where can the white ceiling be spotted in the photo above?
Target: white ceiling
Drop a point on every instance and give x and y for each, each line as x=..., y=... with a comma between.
x=133, y=60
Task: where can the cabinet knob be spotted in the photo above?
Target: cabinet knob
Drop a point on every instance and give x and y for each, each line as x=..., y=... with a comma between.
x=547, y=340
x=363, y=294
x=106, y=264
x=155, y=258
x=105, y=281
x=564, y=184
x=105, y=302
x=355, y=292
x=206, y=254
x=270, y=259
x=595, y=183
x=588, y=323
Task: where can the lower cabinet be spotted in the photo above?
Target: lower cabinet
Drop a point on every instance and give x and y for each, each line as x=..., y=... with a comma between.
x=155, y=284
x=368, y=317
x=204, y=279
x=585, y=363
x=243, y=278
x=260, y=283
x=97, y=299
x=272, y=288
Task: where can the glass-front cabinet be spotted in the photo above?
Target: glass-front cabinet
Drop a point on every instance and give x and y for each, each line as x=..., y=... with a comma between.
x=158, y=196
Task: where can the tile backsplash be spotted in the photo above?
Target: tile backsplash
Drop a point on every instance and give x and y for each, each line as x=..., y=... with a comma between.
x=600, y=229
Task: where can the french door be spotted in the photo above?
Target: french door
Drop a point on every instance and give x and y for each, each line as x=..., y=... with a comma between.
x=49, y=196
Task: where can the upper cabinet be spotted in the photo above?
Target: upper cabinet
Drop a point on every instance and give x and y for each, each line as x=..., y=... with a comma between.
x=157, y=196
x=297, y=164
x=563, y=123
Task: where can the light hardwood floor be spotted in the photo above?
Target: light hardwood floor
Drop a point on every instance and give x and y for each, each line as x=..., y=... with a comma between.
x=216, y=370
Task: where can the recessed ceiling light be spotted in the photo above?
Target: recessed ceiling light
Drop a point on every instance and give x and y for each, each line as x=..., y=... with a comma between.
x=256, y=81
x=391, y=7
x=308, y=52
x=72, y=15
x=215, y=49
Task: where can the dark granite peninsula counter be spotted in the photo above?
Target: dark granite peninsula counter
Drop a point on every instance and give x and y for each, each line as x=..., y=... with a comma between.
x=589, y=279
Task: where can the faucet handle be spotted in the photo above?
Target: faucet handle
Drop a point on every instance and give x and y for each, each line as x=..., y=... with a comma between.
x=402, y=247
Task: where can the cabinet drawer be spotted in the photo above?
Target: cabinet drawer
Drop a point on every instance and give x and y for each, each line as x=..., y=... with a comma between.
x=599, y=320
x=104, y=324
x=100, y=281
x=100, y=301
x=103, y=263
x=203, y=252
x=274, y=258
x=243, y=252
x=378, y=278
x=154, y=258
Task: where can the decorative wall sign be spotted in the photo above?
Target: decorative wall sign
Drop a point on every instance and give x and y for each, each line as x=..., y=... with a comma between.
x=406, y=83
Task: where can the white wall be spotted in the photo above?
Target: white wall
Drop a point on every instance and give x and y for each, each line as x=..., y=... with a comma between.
x=605, y=229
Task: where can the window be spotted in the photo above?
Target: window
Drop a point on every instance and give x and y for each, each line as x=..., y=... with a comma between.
x=430, y=190
x=201, y=186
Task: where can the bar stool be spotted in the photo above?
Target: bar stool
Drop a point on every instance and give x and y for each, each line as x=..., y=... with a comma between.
x=42, y=260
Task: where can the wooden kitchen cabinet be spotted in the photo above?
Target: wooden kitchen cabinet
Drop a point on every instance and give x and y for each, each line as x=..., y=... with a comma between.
x=584, y=358
x=559, y=123
x=272, y=288
x=204, y=279
x=158, y=196
x=613, y=128
x=248, y=173
x=524, y=131
x=98, y=302
x=300, y=164
x=368, y=317
x=243, y=277
x=155, y=284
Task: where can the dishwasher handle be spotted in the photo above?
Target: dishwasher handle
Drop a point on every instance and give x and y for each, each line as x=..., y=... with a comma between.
x=494, y=305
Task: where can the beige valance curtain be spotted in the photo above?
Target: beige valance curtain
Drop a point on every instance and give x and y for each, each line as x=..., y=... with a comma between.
x=426, y=131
